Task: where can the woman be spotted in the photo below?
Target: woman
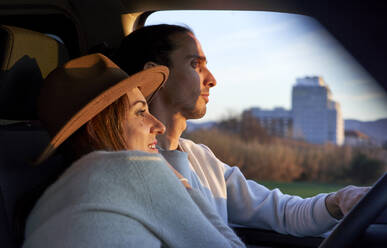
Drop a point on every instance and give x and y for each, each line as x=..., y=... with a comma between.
x=118, y=191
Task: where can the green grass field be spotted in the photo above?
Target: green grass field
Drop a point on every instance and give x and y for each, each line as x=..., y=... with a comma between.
x=303, y=189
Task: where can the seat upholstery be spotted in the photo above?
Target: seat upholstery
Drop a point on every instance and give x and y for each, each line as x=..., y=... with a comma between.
x=26, y=57
x=20, y=181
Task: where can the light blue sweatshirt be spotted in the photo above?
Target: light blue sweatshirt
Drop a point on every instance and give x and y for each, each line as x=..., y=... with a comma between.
x=124, y=199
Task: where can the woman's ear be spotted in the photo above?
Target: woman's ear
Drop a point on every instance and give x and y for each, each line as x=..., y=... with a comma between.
x=149, y=64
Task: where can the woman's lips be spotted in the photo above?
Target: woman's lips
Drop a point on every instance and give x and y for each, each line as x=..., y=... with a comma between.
x=152, y=146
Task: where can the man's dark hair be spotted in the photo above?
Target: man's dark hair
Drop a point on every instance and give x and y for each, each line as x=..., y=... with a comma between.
x=150, y=43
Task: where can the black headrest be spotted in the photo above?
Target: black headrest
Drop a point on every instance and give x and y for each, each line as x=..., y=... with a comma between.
x=26, y=58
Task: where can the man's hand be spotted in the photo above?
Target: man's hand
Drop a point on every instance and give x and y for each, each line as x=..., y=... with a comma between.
x=341, y=202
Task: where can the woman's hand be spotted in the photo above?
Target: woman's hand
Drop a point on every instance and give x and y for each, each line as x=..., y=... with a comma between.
x=341, y=202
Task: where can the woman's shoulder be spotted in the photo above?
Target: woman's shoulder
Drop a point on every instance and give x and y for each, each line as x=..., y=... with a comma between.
x=117, y=182
x=111, y=158
x=98, y=162
x=111, y=179
x=102, y=176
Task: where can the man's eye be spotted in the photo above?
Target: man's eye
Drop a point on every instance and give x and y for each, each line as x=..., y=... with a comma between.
x=195, y=64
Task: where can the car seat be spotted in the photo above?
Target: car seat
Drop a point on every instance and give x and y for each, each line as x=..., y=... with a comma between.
x=26, y=58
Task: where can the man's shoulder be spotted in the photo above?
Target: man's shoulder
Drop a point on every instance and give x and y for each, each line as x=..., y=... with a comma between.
x=207, y=166
x=187, y=144
x=185, y=140
x=199, y=151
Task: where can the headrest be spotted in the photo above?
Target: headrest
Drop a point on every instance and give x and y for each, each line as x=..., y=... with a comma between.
x=26, y=58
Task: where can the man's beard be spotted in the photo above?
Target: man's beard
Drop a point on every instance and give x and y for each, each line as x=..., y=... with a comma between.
x=194, y=113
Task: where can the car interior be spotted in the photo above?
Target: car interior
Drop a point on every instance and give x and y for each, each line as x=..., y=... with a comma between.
x=36, y=36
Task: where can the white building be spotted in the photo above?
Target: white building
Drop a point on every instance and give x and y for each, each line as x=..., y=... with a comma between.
x=316, y=116
x=357, y=138
x=277, y=122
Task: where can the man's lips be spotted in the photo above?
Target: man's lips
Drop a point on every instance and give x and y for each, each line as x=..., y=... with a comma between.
x=205, y=97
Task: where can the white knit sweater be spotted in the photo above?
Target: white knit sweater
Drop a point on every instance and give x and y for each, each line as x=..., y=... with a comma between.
x=245, y=202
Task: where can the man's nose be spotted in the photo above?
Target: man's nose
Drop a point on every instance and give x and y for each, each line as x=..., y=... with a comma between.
x=209, y=79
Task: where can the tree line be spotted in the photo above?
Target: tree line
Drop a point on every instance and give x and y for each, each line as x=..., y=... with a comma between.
x=241, y=141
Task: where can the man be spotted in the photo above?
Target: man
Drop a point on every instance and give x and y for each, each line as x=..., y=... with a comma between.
x=238, y=201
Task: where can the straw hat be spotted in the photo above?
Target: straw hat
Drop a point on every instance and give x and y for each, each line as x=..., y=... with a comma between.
x=73, y=94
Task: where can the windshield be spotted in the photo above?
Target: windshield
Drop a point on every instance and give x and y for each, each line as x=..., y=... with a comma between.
x=291, y=101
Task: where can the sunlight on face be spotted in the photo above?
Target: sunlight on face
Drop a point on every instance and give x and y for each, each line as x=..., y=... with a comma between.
x=189, y=82
x=142, y=127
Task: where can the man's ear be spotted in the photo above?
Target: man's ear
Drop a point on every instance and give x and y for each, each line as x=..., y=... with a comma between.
x=149, y=64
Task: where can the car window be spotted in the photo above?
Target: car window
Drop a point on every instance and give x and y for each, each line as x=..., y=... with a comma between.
x=290, y=105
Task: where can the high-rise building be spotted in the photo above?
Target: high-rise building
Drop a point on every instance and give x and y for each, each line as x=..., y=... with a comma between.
x=316, y=116
x=277, y=122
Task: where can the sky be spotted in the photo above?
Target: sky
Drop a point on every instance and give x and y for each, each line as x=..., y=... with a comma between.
x=257, y=56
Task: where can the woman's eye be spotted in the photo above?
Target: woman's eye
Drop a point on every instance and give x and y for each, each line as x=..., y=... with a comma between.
x=141, y=112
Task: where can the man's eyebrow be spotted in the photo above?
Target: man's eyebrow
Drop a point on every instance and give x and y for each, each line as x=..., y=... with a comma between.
x=202, y=58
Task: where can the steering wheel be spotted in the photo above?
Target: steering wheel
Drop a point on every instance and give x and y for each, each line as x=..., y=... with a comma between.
x=360, y=217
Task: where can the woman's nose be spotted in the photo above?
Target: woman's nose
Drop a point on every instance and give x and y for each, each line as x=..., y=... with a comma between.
x=157, y=126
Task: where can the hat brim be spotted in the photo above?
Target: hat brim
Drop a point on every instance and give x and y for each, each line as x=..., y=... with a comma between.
x=148, y=81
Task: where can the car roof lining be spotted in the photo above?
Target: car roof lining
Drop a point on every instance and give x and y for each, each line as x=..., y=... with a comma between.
x=341, y=18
